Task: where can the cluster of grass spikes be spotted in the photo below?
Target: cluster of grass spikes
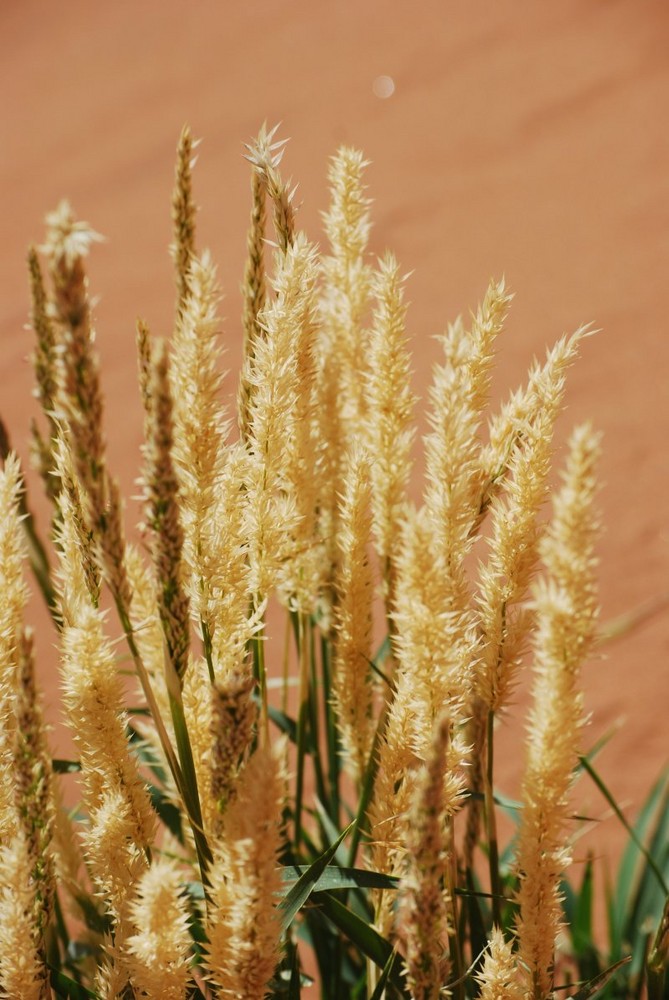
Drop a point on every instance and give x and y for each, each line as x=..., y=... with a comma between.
x=311, y=809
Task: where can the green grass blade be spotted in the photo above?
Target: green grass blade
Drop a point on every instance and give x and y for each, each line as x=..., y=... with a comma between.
x=599, y=982
x=635, y=832
x=69, y=989
x=331, y=831
x=306, y=883
x=658, y=957
x=581, y=926
x=65, y=766
x=333, y=878
x=366, y=939
x=383, y=979
x=284, y=723
x=366, y=789
x=331, y=731
x=648, y=901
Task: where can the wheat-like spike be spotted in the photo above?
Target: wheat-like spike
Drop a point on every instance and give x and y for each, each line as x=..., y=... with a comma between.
x=301, y=578
x=243, y=923
x=200, y=427
x=253, y=291
x=454, y=473
x=265, y=155
x=23, y=971
x=504, y=579
x=354, y=589
x=71, y=508
x=498, y=976
x=434, y=675
x=346, y=294
x=33, y=779
x=182, y=247
x=159, y=950
x=66, y=246
x=276, y=444
x=45, y=364
x=566, y=607
x=12, y=584
x=26, y=874
x=80, y=398
x=122, y=821
x=425, y=900
x=233, y=716
x=144, y=369
x=162, y=505
x=389, y=415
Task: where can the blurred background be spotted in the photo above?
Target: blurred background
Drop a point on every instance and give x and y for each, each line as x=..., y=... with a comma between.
x=521, y=139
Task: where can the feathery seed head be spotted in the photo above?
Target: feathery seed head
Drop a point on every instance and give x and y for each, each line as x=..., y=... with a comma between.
x=160, y=948
x=183, y=215
x=161, y=490
x=497, y=977
x=265, y=155
x=233, y=717
x=244, y=924
x=354, y=588
x=566, y=607
x=390, y=404
x=424, y=900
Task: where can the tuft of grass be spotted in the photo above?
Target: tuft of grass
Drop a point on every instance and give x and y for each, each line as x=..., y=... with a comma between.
x=267, y=814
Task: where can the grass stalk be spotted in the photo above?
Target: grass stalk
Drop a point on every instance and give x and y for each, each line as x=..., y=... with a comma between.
x=491, y=824
x=332, y=747
x=302, y=719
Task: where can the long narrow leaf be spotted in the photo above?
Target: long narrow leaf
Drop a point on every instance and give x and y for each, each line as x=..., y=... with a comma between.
x=306, y=883
x=366, y=939
x=333, y=879
x=632, y=832
x=599, y=982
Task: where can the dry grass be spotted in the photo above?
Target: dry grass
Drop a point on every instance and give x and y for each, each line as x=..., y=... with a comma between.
x=207, y=858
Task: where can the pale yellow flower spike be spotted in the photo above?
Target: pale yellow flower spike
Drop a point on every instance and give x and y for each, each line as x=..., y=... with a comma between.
x=183, y=215
x=346, y=294
x=45, y=366
x=265, y=155
x=22, y=969
x=504, y=579
x=200, y=426
x=453, y=451
x=233, y=716
x=74, y=536
x=14, y=597
x=122, y=823
x=253, y=292
x=295, y=284
x=160, y=949
x=12, y=585
x=161, y=491
x=354, y=586
x=434, y=676
x=244, y=923
x=26, y=808
x=566, y=606
x=498, y=977
x=425, y=898
x=389, y=428
x=80, y=398
x=280, y=380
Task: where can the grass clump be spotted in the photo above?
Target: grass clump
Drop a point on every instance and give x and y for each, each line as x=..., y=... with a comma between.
x=230, y=842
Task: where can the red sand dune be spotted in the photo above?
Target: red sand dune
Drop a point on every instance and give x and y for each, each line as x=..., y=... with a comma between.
x=526, y=139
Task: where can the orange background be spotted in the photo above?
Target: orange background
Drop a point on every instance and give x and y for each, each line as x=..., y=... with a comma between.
x=521, y=138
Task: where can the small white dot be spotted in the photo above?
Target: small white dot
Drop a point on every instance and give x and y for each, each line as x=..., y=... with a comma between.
x=383, y=87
